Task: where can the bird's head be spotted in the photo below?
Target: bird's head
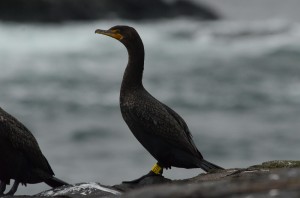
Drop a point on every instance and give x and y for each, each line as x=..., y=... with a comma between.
x=125, y=34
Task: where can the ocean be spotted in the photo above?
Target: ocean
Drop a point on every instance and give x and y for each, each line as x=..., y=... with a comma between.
x=236, y=84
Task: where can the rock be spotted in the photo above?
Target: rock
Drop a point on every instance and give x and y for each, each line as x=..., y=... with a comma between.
x=269, y=179
x=70, y=10
x=278, y=164
x=255, y=184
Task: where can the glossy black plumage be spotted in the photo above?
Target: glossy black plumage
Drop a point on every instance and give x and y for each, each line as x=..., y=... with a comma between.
x=20, y=156
x=156, y=126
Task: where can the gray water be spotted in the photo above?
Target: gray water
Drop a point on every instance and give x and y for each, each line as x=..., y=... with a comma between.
x=236, y=84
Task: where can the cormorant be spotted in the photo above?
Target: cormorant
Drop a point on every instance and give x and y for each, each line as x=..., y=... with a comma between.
x=157, y=127
x=21, y=158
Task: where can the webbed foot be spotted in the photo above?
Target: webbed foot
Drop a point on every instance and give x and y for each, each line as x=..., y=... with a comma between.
x=156, y=170
x=136, y=181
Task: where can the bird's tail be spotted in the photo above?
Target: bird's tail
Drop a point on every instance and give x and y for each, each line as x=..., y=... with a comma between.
x=55, y=182
x=207, y=166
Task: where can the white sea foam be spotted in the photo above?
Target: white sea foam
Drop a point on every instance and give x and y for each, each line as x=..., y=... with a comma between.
x=83, y=189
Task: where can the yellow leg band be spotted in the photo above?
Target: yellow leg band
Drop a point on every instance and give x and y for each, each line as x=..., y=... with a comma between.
x=156, y=169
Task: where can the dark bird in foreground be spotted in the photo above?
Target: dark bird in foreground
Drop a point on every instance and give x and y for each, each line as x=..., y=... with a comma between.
x=156, y=126
x=21, y=158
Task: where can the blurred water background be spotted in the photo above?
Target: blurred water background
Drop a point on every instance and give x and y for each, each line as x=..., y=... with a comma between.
x=236, y=82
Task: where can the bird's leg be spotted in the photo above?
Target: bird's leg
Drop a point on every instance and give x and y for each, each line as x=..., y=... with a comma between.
x=156, y=170
x=2, y=187
x=13, y=188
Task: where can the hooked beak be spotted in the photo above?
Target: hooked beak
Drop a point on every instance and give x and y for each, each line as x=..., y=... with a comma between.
x=112, y=33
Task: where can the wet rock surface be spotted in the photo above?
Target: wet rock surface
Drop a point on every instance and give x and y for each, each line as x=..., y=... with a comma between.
x=269, y=179
x=71, y=10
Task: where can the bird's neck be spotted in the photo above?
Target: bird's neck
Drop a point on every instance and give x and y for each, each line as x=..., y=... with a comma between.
x=134, y=71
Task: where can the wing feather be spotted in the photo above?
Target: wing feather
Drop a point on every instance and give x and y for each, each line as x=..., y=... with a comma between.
x=148, y=115
x=21, y=139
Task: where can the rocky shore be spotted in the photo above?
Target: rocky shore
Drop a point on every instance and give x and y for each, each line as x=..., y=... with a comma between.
x=270, y=179
x=73, y=10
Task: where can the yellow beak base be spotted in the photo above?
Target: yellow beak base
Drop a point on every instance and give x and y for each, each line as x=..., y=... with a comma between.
x=111, y=33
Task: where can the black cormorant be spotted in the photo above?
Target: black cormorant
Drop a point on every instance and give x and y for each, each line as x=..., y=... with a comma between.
x=156, y=126
x=20, y=157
